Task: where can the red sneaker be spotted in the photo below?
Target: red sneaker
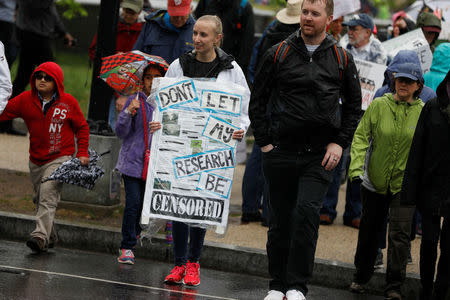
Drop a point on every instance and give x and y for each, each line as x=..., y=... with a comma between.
x=192, y=276
x=176, y=275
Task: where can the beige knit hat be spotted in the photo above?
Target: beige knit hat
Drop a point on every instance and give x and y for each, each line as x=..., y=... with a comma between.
x=290, y=14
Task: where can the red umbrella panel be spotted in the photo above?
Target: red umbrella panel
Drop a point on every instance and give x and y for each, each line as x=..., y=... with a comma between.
x=123, y=71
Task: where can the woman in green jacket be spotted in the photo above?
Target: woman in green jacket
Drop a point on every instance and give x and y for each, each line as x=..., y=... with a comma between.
x=379, y=153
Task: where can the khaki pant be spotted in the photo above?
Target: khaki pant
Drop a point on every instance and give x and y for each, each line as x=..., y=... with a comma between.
x=46, y=198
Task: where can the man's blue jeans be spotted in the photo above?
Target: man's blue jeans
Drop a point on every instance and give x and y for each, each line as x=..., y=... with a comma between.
x=181, y=232
x=253, y=184
x=134, y=199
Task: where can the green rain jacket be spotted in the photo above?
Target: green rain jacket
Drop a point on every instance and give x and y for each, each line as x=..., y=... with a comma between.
x=381, y=143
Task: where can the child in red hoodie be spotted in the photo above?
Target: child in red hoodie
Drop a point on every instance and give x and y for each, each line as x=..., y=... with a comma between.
x=54, y=119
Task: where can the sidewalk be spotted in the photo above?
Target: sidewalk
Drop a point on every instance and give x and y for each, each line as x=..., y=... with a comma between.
x=335, y=248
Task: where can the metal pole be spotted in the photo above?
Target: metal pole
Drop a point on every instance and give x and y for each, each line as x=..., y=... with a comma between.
x=101, y=93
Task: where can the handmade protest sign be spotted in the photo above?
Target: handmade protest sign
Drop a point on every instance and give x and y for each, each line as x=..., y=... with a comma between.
x=192, y=157
x=371, y=77
x=413, y=40
x=345, y=7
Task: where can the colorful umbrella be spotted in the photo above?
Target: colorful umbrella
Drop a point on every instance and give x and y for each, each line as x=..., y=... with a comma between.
x=123, y=72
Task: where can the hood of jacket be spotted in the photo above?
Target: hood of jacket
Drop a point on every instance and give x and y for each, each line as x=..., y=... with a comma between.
x=53, y=70
x=403, y=56
x=443, y=97
x=158, y=18
x=225, y=60
x=441, y=59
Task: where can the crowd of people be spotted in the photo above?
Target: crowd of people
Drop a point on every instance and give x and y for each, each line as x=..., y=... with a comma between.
x=306, y=116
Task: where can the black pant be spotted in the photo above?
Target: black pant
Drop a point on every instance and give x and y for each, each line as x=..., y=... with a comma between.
x=34, y=50
x=297, y=184
x=374, y=211
x=431, y=230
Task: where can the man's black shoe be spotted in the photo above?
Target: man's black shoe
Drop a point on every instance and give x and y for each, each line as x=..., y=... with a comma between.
x=251, y=217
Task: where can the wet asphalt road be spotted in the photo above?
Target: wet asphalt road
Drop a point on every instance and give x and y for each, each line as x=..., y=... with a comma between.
x=72, y=274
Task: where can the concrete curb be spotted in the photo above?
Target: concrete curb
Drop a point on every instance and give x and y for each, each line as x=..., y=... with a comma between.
x=215, y=255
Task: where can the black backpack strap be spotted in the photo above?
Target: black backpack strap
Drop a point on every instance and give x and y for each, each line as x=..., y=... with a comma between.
x=281, y=52
x=341, y=57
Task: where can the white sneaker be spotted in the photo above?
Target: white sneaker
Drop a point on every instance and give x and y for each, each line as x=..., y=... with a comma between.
x=295, y=295
x=274, y=295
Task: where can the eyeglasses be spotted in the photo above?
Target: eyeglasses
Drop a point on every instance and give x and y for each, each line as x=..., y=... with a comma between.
x=46, y=77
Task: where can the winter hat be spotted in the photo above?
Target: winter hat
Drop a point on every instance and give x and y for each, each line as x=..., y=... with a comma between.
x=429, y=22
x=179, y=7
x=290, y=14
x=134, y=5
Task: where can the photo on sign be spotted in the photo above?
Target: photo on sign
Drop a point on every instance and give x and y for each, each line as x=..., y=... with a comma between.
x=171, y=129
x=367, y=84
x=161, y=184
x=170, y=118
x=196, y=146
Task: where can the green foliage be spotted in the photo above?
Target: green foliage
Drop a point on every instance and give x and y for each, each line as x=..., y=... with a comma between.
x=73, y=9
x=77, y=75
x=394, y=5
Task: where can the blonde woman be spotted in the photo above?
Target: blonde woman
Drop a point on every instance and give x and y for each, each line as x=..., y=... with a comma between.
x=207, y=60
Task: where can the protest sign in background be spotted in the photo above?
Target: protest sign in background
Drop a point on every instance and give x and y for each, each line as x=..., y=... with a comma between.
x=345, y=7
x=371, y=77
x=413, y=40
x=193, y=155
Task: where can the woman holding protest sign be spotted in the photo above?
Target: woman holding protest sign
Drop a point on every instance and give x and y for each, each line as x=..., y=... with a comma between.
x=207, y=60
x=131, y=127
x=379, y=153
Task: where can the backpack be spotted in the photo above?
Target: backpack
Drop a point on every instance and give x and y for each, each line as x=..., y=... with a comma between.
x=340, y=53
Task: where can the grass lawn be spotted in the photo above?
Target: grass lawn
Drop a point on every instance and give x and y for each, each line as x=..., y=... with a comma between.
x=77, y=75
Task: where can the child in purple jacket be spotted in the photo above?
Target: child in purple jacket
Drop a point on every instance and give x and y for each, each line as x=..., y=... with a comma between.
x=130, y=128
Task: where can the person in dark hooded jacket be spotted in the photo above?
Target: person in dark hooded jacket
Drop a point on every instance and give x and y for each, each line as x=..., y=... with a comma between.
x=297, y=122
x=427, y=184
x=54, y=119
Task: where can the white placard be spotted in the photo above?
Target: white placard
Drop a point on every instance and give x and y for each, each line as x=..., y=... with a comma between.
x=371, y=77
x=345, y=7
x=413, y=40
x=192, y=157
